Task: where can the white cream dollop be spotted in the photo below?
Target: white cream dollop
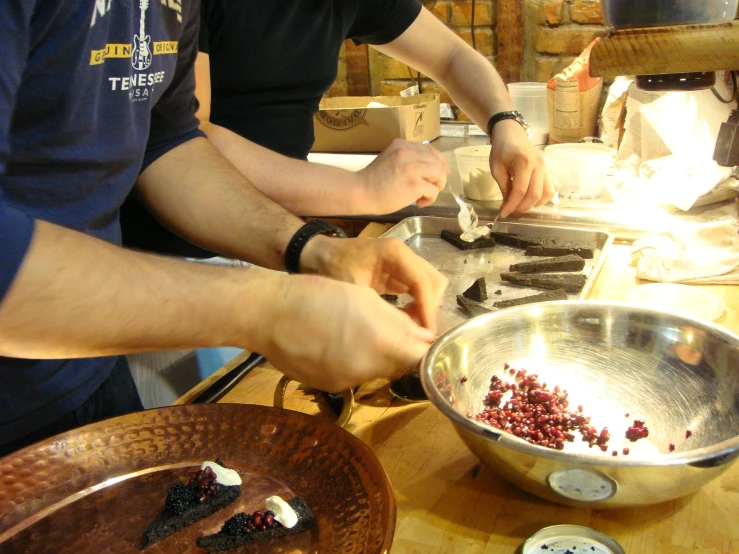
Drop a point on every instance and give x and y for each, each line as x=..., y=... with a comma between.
x=224, y=476
x=283, y=511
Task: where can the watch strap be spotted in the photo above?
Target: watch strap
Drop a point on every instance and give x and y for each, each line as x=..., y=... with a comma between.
x=502, y=116
x=301, y=238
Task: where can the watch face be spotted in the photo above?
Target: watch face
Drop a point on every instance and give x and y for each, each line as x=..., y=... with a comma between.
x=524, y=124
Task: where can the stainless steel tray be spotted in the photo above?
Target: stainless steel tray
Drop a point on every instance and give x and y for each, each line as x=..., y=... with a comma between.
x=462, y=268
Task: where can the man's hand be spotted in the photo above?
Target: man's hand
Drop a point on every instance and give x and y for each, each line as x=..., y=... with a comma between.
x=386, y=265
x=404, y=173
x=519, y=169
x=332, y=336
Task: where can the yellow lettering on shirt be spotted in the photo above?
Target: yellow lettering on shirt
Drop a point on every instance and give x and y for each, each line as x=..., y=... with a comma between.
x=124, y=51
x=110, y=51
x=170, y=47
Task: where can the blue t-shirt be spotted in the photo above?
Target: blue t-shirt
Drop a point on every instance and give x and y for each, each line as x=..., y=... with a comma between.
x=91, y=91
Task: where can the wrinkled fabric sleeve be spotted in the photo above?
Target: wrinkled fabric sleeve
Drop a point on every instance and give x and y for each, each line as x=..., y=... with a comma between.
x=382, y=21
x=173, y=120
x=16, y=227
x=204, y=33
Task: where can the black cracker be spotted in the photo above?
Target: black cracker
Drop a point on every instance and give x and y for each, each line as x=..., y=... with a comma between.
x=454, y=239
x=571, y=262
x=532, y=299
x=572, y=282
x=477, y=291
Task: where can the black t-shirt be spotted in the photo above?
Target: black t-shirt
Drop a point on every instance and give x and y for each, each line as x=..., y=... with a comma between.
x=270, y=62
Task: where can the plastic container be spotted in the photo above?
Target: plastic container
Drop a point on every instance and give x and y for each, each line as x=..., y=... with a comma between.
x=579, y=168
x=624, y=14
x=531, y=100
x=567, y=538
x=473, y=163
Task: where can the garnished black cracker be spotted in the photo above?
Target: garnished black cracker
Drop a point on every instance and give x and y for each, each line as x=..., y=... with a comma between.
x=455, y=239
x=226, y=541
x=188, y=511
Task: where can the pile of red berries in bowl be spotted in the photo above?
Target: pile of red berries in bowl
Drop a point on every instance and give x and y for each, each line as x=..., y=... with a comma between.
x=563, y=396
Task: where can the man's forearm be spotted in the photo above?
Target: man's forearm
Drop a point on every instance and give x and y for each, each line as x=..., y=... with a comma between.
x=469, y=78
x=77, y=296
x=475, y=86
x=301, y=187
x=199, y=195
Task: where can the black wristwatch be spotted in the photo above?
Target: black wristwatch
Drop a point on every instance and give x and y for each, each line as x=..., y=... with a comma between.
x=501, y=116
x=301, y=238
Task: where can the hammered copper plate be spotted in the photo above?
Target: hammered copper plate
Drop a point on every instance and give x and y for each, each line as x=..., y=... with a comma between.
x=97, y=488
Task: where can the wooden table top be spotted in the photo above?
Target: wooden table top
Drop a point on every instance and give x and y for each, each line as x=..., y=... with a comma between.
x=449, y=503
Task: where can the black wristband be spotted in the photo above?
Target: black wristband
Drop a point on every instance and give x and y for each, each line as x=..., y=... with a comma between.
x=502, y=116
x=301, y=238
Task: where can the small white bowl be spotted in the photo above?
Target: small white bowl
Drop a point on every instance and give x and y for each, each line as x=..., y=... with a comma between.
x=579, y=168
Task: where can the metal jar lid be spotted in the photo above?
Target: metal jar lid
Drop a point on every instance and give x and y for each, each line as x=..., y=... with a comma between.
x=570, y=539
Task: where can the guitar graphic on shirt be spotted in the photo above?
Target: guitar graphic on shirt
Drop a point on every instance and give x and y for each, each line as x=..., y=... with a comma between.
x=141, y=55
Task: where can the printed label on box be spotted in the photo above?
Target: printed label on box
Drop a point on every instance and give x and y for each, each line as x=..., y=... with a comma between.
x=342, y=120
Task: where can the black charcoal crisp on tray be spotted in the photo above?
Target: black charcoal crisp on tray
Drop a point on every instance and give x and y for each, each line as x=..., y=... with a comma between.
x=455, y=239
x=572, y=282
x=583, y=249
x=233, y=535
x=470, y=307
x=519, y=240
x=477, y=291
x=571, y=262
x=532, y=299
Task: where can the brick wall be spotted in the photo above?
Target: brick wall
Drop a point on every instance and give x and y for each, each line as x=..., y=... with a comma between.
x=554, y=33
x=389, y=77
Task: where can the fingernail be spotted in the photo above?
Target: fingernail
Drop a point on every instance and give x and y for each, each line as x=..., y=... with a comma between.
x=425, y=334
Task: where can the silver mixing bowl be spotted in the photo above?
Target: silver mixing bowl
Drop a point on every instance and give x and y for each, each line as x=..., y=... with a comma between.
x=673, y=372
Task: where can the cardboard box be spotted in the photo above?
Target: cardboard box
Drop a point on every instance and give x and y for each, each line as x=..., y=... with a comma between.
x=351, y=124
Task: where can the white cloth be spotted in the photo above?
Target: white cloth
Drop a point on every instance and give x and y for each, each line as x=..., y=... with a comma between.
x=706, y=253
x=668, y=160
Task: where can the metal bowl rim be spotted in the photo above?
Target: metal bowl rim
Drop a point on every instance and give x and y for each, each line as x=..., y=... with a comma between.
x=511, y=441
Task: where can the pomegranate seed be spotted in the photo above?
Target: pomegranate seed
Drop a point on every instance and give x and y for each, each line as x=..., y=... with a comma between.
x=626, y=451
x=688, y=434
x=541, y=415
x=463, y=379
x=671, y=447
x=637, y=431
